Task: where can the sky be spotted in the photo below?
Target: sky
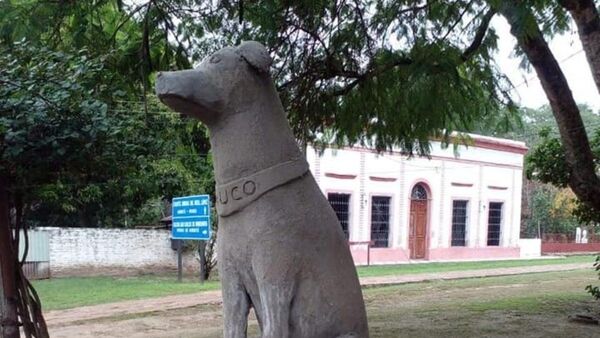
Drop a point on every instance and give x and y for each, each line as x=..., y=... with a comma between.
x=567, y=50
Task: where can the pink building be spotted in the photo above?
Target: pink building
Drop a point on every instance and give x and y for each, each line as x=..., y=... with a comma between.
x=463, y=205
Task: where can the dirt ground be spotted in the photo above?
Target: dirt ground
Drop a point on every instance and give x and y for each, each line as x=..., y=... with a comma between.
x=532, y=305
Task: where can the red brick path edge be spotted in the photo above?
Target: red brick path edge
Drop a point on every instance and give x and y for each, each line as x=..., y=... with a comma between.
x=94, y=312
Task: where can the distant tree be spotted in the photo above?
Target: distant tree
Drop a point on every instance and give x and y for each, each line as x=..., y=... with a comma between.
x=540, y=204
x=552, y=211
x=546, y=162
x=132, y=42
x=535, y=120
x=74, y=155
x=537, y=128
x=563, y=208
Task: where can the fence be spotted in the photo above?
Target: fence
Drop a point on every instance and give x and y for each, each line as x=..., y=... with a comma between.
x=568, y=238
x=554, y=248
x=565, y=243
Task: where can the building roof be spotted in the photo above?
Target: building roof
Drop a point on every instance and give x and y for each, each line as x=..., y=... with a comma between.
x=486, y=142
x=496, y=143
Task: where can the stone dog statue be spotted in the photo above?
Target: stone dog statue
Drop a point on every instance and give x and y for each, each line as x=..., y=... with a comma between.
x=280, y=246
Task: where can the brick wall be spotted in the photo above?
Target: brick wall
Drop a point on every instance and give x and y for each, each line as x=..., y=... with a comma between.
x=74, y=249
x=570, y=247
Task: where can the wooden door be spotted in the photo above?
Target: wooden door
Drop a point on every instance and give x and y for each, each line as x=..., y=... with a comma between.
x=417, y=239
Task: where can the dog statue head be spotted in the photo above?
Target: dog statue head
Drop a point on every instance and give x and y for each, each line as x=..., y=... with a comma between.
x=219, y=85
x=233, y=94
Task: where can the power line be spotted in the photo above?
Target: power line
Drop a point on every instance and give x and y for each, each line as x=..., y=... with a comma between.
x=534, y=76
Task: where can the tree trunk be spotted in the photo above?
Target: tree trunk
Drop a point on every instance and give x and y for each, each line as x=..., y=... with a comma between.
x=9, y=327
x=586, y=17
x=204, y=270
x=583, y=179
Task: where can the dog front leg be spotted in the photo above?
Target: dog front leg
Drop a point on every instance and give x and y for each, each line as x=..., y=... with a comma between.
x=236, y=305
x=276, y=306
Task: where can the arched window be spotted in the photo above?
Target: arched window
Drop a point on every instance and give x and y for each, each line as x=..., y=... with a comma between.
x=419, y=192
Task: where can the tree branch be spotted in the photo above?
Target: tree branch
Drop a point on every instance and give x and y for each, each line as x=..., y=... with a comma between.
x=457, y=21
x=371, y=74
x=470, y=51
x=586, y=17
x=327, y=68
x=583, y=179
x=483, y=27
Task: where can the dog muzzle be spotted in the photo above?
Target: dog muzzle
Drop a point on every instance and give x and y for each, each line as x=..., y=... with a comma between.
x=236, y=195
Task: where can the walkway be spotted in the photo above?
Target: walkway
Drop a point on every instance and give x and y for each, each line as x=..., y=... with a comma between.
x=94, y=312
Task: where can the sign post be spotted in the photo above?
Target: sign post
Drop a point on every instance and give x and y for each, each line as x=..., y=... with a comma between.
x=191, y=221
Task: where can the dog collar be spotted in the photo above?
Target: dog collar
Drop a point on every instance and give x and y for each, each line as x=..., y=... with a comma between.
x=236, y=195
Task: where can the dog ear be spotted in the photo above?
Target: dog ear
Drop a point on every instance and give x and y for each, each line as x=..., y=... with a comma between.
x=256, y=55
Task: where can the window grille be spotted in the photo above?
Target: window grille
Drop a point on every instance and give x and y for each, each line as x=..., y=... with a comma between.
x=380, y=221
x=341, y=205
x=418, y=193
x=494, y=223
x=459, y=223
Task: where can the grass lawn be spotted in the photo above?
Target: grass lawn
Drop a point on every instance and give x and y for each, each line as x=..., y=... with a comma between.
x=63, y=293
x=530, y=305
x=416, y=268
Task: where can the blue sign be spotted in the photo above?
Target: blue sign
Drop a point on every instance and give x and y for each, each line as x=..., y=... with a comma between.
x=191, y=217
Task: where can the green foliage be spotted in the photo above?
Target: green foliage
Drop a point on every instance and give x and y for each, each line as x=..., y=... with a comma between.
x=586, y=214
x=546, y=163
x=76, y=152
x=383, y=73
x=551, y=211
x=539, y=204
x=387, y=74
x=535, y=121
x=148, y=213
x=82, y=141
x=135, y=35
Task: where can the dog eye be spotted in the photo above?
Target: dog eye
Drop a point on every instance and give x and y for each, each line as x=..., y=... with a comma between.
x=215, y=59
